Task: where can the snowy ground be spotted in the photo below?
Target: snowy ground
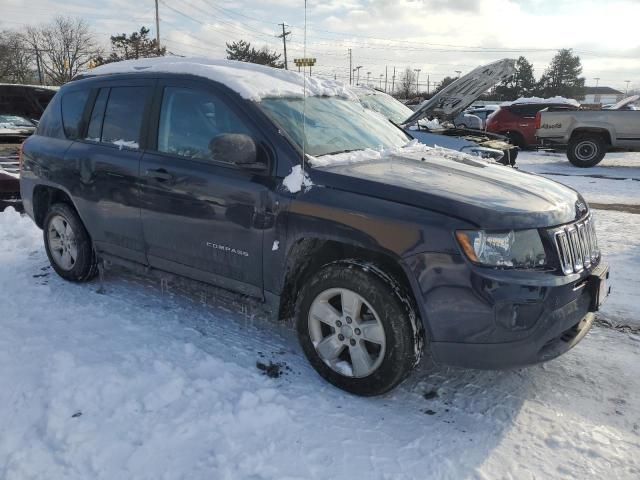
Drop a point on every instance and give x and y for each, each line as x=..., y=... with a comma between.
x=134, y=383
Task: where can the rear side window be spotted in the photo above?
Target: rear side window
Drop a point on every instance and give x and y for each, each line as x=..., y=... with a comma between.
x=123, y=116
x=73, y=104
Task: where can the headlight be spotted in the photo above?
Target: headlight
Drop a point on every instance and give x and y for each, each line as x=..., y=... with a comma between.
x=511, y=249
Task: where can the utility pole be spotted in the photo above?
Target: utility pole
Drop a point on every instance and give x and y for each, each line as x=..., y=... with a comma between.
x=38, y=64
x=458, y=72
x=428, y=82
x=350, y=68
x=157, y=28
x=368, y=77
x=626, y=90
x=357, y=70
x=386, y=76
x=417, y=70
x=284, y=44
x=393, y=81
x=597, y=79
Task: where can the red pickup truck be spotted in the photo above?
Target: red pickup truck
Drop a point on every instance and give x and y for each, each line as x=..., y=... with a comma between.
x=518, y=120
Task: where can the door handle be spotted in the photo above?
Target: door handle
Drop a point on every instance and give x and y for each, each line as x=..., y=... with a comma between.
x=159, y=174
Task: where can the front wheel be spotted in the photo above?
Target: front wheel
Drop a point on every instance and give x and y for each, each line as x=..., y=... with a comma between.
x=586, y=150
x=357, y=328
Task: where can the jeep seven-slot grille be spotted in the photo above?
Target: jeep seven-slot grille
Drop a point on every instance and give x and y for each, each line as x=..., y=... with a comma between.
x=577, y=245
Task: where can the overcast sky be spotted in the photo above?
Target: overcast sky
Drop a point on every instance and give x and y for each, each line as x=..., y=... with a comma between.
x=436, y=36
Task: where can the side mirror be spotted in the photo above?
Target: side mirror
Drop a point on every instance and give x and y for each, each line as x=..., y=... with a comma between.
x=236, y=148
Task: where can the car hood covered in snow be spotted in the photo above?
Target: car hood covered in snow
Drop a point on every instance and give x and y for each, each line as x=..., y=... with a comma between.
x=457, y=96
x=489, y=195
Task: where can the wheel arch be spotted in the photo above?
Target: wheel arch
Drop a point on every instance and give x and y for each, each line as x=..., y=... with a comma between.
x=308, y=255
x=44, y=196
x=600, y=131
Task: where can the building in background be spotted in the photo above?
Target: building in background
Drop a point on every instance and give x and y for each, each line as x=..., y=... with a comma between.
x=601, y=95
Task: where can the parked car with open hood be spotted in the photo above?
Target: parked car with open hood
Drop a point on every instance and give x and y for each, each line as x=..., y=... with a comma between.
x=444, y=107
x=288, y=190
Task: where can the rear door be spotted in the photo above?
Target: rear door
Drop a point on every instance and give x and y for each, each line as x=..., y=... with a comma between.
x=203, y=217
x=107, y=158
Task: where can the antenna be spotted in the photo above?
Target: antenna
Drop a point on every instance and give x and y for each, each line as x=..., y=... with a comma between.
x=304, y=96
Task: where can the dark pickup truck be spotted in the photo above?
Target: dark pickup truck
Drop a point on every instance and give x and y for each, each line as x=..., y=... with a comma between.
x=382, y=249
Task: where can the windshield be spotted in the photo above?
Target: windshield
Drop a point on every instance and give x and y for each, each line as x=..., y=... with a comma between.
x=333, y=125
x=12, y=121
x=388, y=106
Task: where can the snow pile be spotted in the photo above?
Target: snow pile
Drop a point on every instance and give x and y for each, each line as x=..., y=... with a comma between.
x=296, y=180
x=556, y=99
x=136, y=384
x=249, y=80
x=413, y=149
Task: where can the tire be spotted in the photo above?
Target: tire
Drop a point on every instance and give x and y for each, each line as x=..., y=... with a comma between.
x=68, y=244
x=369, y=360
x=586, y=151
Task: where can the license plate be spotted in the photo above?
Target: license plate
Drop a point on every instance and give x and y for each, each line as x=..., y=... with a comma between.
x=601, y=288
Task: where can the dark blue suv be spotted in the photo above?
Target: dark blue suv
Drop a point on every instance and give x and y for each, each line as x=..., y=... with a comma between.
x=381, y=248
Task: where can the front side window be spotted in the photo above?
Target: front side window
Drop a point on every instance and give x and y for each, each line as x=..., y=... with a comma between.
x=123, y=116
x=191, y=119
x=332, y=125
x=73, y=104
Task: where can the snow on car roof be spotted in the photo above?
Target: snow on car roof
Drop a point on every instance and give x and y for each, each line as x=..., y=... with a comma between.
x=557, y=100
x=249, y=80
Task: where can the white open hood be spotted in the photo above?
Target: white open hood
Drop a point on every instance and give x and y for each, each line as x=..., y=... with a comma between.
x=458, y=95
x=625, y=101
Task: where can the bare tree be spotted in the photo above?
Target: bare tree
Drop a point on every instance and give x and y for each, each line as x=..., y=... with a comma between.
x=64, y=47
x=407, y=83
x=16, y=59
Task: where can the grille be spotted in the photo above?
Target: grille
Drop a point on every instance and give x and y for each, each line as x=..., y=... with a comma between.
x=577, y=245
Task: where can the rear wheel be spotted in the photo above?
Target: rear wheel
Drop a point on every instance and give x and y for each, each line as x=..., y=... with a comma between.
x=68, y=244
x=586, y=151
x=357, y=329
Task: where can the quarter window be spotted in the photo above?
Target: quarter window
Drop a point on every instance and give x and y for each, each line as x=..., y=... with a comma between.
x=72, y=108
x=191, y=119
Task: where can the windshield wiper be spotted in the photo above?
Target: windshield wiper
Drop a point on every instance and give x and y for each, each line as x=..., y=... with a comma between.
x=337, y=152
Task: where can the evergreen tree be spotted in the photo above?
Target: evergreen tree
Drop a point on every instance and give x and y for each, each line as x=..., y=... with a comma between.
x=521, y=84
x=244, y=52
x=129, y=47
x=562, y=76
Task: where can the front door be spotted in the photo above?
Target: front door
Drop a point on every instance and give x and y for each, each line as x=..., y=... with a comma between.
x=202, y=217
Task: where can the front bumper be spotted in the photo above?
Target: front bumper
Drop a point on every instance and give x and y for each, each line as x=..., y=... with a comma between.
x=491, y=319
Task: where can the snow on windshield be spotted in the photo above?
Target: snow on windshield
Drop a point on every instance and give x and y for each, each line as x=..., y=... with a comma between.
x=562, y=100
x=413, y=149
x=251, y=81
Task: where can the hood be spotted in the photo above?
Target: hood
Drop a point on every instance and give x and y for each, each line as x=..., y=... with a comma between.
x=457, y=96
x=488, y=195
x=625, y=101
